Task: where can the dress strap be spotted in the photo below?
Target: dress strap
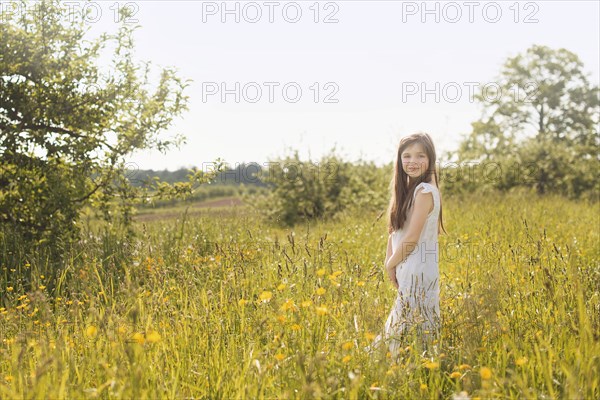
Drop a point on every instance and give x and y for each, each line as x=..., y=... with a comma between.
x=427, y=188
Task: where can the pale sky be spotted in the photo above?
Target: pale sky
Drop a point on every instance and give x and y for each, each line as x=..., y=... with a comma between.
x=369, y=61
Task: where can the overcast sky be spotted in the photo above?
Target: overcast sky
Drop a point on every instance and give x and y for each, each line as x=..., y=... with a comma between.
x=357, y=73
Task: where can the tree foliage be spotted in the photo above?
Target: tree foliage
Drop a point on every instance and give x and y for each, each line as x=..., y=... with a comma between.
x=540, y=125
x=67, y=126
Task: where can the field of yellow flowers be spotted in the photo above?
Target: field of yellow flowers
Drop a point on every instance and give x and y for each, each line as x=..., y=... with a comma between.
x=222, y=305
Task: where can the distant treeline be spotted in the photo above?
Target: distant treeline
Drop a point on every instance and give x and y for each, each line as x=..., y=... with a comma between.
x=248, y=174
x=245, y=179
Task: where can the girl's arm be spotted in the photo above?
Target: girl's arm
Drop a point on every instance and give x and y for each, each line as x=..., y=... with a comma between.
x=422, y=207
x=388, y=252
x=391, y=273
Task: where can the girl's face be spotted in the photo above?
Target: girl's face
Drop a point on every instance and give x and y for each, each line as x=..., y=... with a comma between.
x=414, y=160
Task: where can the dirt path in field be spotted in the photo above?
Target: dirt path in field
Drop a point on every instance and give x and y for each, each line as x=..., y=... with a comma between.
x=225, y=202
x=194, y=209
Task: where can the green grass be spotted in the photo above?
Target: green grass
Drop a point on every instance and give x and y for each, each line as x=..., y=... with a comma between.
x=226, y=306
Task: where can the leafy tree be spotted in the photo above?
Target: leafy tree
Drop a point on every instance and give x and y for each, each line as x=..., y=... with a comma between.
x=540, y=123
x=67, y=127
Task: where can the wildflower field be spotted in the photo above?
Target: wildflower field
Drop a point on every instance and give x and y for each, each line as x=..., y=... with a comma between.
x=223, y=305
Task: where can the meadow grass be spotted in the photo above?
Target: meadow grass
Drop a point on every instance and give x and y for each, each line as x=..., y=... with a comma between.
x=224, y=305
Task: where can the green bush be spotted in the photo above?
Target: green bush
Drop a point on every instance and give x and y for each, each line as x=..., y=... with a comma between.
x=303, y=190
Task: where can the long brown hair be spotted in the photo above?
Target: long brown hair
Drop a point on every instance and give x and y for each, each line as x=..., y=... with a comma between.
x=402, y=190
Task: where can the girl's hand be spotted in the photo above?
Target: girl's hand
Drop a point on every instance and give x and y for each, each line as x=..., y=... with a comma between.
x=392, y=275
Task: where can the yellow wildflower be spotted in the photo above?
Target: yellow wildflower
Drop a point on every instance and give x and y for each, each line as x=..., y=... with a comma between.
x=306, y=303
x=265, y=296
x=91, y=331
x=485, y=373
x=153, y=337
x=521, y=361
x=138, y=338
x=289, y=305
x=321, y=291
x=322, y=310
x=432, y=365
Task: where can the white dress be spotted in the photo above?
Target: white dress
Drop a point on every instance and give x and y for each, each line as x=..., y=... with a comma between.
x=417, y=303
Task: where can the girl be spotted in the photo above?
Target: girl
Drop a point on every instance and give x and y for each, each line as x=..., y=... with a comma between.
x=411, y=261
